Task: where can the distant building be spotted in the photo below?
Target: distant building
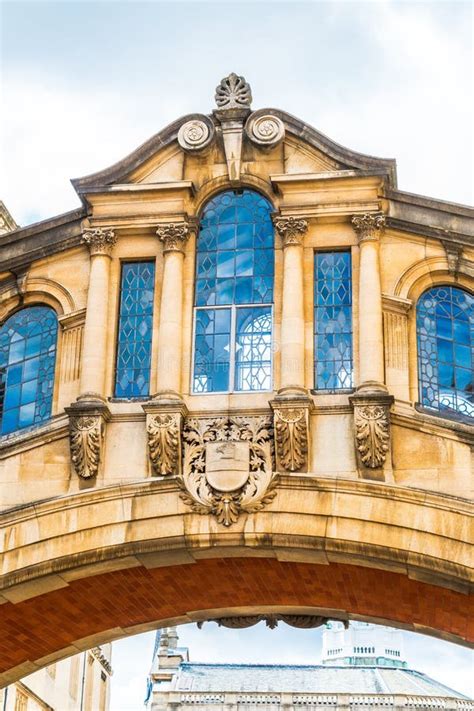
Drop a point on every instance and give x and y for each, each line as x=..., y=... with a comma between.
x=362, y=667
x=79, y=683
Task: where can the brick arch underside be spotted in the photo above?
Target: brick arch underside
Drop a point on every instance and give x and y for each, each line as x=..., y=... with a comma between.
x=57, y=624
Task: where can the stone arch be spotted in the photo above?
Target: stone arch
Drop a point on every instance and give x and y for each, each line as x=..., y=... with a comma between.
x=134, y=557
x=214, y=186
x=39, y=290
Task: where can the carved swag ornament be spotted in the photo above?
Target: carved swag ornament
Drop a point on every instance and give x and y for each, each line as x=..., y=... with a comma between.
x=86, y=434
x=164, y=435
x=228, y=466
x=291, y=438
x=305, y=622
x=372, y=434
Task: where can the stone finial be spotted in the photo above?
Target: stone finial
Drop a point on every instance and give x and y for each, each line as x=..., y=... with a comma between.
x=290, y=229
x=368, y=226
x=173, y=235
x=233, y=93
x=99, y=240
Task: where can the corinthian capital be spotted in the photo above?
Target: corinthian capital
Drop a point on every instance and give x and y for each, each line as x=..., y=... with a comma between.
x=173, y=235
x=290, y=229
x=369, y=226
x=99, y=240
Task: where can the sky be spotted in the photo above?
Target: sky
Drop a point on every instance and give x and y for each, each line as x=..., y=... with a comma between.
x=84, y=83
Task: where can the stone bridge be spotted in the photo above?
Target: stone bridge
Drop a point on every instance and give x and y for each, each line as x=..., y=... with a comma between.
x=235, y=382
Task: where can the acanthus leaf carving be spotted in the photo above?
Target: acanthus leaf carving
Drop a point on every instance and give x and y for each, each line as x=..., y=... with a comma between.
x=271, y=621
x=291, y=229
x=233, y=92
x=86, y=433
x=237, y=486
x=164, y=441
x=291, y=436
x=173, y=235
x=372, y=434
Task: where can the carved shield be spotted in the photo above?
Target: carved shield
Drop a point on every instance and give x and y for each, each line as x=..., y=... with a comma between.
x=227, y=465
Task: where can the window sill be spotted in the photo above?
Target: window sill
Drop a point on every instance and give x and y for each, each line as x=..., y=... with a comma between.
x=453, y=418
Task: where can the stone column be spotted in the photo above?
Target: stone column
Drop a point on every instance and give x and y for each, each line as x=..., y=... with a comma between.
x=291, y=231
x=100, y=242
x=89, y=414
x=174, y=236
x=371, y=401
x=291, y=408
x=368, y=228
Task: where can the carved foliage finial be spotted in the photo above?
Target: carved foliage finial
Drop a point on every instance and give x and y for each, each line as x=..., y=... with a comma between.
x=290, y=229
x=372, y=434
x=368, y=226
x=173, y=235
x=86, y=433
x=99, y=240
x=233, y=93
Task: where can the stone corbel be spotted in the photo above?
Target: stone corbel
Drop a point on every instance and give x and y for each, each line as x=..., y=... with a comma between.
x=291, y=413
x=372, y=431
x=453, y=255
x=87, y=420
x=233, y=98
x=165, y=416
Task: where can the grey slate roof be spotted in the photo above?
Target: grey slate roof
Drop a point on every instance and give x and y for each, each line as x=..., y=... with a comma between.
x=302, y=678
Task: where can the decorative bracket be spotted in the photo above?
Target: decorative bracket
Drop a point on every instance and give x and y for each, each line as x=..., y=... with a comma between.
x=87, y=419
x=304, y=622
x=164, y=424
x=453, y=255
x=372, y=429
x=291, y=425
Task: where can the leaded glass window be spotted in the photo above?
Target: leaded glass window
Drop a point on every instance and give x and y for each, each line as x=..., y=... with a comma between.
x=234, y=294
x=445, y=328
x=27, y=360
x=132, y=373
x=333, y=321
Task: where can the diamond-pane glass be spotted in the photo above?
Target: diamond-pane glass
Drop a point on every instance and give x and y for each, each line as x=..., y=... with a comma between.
x=132, y=373
x=333, y=321
x=234, y=268
x=27, y=360
x=253, y=348
x=445, y=328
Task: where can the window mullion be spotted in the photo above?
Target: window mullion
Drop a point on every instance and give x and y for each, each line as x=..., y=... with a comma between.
x=233, y=336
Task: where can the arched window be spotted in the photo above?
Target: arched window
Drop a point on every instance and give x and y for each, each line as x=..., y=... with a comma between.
x=27, y=360
x=445, y=330
x=234, y=295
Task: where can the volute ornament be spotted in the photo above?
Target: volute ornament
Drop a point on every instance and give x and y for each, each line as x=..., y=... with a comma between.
x=266, y=130
x=173, y=235
x=372, y=434
x=290, y=229
x=195, y=135
x=368, y=226
x=291, y=438
x=233, y=92
x=99, y=240
x=86, y=434
x=164, y=436
x=228, y=466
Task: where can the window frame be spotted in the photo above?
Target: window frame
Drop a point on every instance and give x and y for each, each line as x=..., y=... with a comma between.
x=233, y=321
x=347, y=248
x=232, y=306
x=414, y=368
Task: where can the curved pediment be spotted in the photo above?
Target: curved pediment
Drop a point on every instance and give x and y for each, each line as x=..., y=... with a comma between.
x=233, y=141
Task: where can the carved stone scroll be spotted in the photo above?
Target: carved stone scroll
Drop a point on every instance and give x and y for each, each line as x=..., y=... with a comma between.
x=267, y=131
x=195, y=135
x=87, y=419
x=299, y=621
x=164, y=423
x=228, y=466
x=372, y=428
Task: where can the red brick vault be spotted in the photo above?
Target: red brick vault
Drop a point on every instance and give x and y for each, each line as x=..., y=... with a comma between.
x=112, y=605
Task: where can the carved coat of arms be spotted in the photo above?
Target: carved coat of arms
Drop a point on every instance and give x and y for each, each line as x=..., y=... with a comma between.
x=228, y=466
